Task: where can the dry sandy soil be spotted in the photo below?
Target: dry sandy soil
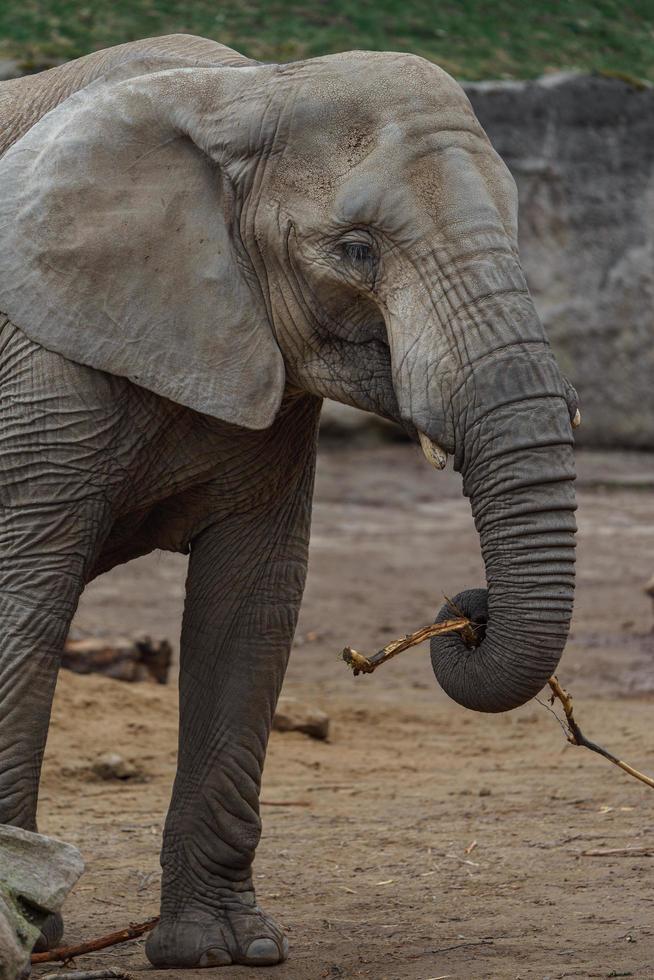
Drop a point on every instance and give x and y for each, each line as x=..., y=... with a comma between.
x=377, y=875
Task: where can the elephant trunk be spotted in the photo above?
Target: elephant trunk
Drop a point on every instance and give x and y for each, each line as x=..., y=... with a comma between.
x=513, y=428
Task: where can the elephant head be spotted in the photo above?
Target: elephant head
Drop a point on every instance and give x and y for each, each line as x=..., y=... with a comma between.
x=339, y=226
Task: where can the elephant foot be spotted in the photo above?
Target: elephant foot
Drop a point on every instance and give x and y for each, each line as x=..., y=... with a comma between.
x=52, y=931
x=238, y=933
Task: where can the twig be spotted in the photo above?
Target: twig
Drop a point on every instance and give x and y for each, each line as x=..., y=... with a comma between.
x=65, y=953
x=619, y=852
x=361, y=664
x=554, y=715
x=89, y=975
x=576, y=737
x=448, y=949
x=284, y=802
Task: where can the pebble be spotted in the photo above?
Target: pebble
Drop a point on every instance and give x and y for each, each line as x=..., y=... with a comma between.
x=295, y=716
x=111, y=765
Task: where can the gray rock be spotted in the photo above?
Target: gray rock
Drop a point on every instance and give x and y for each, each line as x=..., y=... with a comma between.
x=36, y=874
x=581, y=149
x=13, y=954
x=111, y=765
x=295, y=716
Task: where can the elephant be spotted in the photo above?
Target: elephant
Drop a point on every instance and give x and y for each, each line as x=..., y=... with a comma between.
x=196, y=249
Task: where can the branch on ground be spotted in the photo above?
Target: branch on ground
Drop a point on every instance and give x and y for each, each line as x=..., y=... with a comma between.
x=64, y=954
x=89, y=975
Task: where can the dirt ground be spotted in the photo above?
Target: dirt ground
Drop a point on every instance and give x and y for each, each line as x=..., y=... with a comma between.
x=435, y=842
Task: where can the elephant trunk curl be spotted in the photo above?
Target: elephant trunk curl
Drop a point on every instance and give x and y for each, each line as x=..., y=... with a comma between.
x=513, y=425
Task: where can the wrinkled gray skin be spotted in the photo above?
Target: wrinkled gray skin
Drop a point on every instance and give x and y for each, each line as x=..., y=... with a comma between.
x=195, y=250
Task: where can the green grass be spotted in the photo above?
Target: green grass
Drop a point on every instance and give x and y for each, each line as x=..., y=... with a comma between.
x=470, y=38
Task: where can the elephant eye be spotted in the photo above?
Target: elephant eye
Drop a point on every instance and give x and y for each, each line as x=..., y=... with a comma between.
x=358, y=253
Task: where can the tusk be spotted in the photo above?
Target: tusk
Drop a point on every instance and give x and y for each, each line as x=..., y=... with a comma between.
x=434, y=455
x=576, y=421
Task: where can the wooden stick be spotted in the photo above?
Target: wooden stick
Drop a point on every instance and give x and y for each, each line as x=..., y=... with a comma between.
x=66, y=953
x=284, y=802
x=89, y=975
x=361, y=664
x=576, y=737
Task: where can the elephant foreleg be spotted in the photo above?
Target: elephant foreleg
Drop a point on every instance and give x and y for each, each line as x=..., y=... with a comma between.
x=54, y=515
x=46, y=549
x=246, y=577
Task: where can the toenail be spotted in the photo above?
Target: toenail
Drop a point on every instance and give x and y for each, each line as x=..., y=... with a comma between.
x=215, y=957
x=263, y=950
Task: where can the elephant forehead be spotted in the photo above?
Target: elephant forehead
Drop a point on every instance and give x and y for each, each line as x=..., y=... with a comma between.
x=372, y=115
x=399, y=130
x=372, y=81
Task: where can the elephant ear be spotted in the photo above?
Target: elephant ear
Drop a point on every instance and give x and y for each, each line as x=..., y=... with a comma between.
x=120, y=245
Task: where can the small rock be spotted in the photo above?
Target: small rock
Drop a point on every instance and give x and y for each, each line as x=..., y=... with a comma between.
x=294, y=716
x=111, y=765
x=484, y=791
